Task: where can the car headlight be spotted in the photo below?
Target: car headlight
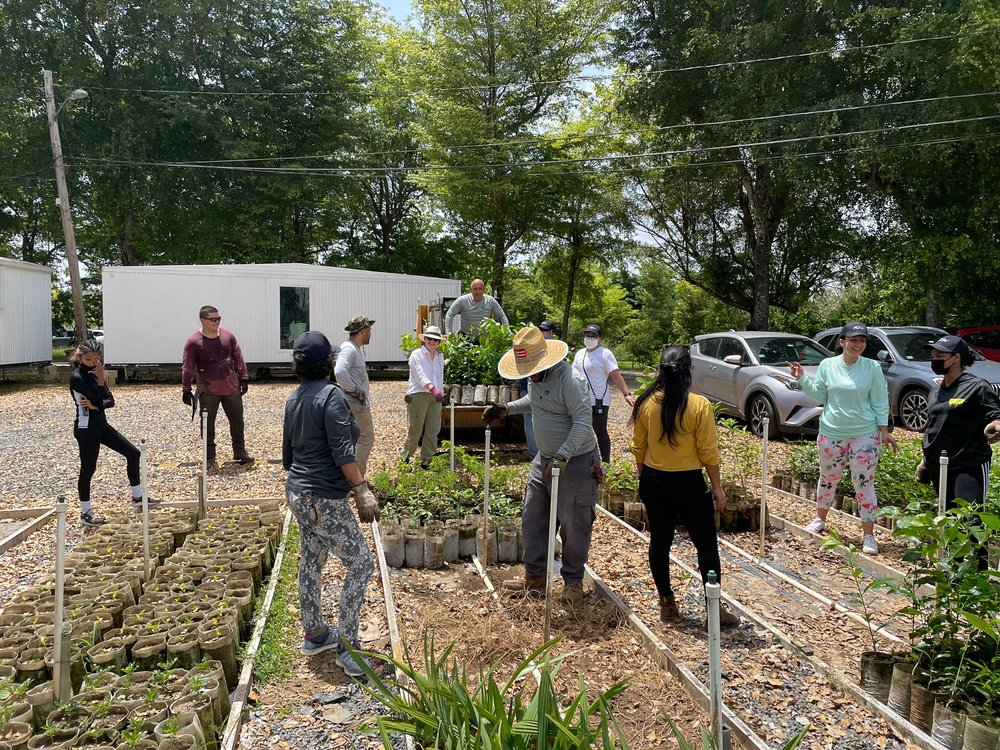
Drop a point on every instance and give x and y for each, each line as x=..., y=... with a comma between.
x=786, y=380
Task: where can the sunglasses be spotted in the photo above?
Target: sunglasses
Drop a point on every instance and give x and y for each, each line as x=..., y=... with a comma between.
x=214, y=320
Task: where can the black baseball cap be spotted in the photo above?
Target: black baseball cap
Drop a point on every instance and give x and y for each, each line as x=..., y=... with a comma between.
x=312, y=347
x=951, y=345
x=546, y=325
x=594, y=329
x=854, y=329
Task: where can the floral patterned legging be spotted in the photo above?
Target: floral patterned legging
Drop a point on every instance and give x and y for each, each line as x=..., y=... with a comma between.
x=861, y=454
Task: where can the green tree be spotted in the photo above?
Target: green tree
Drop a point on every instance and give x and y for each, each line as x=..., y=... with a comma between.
x=653, y=327
x=488, y=76
x=761, y=227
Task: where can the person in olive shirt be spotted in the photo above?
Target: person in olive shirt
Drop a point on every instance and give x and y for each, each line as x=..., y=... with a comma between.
x=673, y=439
x=963, y=418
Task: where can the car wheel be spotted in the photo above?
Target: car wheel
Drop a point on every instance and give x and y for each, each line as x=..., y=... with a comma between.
x=913, y=410
x=760, y=406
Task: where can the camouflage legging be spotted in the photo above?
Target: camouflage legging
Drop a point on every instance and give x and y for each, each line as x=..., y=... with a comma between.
x=328, y=525
x=861, y=456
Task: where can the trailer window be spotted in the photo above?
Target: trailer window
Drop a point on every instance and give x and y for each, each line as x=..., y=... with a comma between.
x=294, y=303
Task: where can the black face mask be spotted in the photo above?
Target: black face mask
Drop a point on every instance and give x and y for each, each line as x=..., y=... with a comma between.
x=937, y=366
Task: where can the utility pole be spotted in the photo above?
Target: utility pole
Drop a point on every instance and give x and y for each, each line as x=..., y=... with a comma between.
x=72, y=260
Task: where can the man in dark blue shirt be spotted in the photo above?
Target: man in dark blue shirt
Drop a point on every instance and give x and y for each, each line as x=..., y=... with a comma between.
x=317, y=450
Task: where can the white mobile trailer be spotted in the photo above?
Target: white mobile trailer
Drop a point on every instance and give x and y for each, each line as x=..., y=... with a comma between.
x=25, y=313
x=149, y=311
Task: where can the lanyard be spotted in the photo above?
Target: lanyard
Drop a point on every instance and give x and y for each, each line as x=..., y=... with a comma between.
x=597, y=400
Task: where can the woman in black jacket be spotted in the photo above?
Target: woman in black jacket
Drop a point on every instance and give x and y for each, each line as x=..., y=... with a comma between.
x=91, y=397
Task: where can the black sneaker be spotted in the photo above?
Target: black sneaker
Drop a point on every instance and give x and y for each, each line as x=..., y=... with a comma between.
x=244, y=458
x=137, y=503
x=90, y=518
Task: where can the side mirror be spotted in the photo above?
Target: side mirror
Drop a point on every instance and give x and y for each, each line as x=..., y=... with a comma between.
x=733, y=359
x=885, y=357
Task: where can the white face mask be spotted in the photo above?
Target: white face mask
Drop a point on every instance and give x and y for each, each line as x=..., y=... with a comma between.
x=590, y=342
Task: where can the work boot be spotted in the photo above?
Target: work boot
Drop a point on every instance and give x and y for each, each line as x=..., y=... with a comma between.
x=727, y=619
x=533, y=586
x=243, y=458
x=668, y=608
x=572, y=595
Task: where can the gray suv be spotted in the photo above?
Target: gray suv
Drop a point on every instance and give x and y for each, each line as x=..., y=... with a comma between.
x=906, y=362
x=746, y=374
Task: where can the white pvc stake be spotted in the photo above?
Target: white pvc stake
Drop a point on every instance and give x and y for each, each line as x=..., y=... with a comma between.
x=550, y=561
x=144, y=478
x=713, y=593
x=203, y=488
x=943, y=484
x=61, y=685
x=486, y=499
x=451, y=406
x=763, y=487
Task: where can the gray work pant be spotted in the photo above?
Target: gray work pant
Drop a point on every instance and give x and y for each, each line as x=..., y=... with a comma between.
x=423, y=416
x=575, y=516
x=363, y=416
x=326, y=524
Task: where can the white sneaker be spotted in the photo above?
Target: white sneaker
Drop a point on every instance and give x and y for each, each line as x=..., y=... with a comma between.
x=869, y=546
x=816, y=526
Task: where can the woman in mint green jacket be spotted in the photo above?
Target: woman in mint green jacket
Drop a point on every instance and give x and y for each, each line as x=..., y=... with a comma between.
x=853, y=427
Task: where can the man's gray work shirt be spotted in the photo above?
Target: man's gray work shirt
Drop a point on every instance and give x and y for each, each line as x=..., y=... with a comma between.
x=351, y=370
x=473, y=313
x=560, y=413
x=318, y=438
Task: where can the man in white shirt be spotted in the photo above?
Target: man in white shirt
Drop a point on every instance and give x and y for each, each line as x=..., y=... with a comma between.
x=351, y=372
x=474, y=308
x=599, y=368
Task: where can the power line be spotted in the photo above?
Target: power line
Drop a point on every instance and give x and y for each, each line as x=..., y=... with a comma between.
x=608, y=134
x=540, y=162
x=571, y=79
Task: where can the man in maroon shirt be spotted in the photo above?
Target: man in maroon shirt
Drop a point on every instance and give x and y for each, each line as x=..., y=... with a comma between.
x=213, y=359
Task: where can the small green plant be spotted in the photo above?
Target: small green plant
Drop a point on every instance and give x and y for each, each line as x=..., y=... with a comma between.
x=864, y=590
x=621, y=476
x=441, y=709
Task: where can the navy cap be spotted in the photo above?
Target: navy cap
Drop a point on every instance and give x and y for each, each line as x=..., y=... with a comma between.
x=312, y=347
x=854, y=329
x=594, y=329
x=951, y=345
x=546, y=325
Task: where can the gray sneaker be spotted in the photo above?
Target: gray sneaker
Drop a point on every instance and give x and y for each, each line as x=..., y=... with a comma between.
x=350, y=662
x=331, y=640
x=90, y=518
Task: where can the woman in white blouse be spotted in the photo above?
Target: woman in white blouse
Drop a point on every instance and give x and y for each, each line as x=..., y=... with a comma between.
x=424, y=397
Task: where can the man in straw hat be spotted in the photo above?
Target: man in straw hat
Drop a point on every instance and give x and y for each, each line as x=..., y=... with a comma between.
x=351, y=372
x=565, y=436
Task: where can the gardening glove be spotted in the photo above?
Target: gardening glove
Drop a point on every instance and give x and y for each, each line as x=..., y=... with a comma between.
x=597, y=472
x=244, y=385
x=557, y=462
x=992, y=431
x=494, y=412
x=187, y=398
x=923, y=474
x=367, y=504
x=438, y=394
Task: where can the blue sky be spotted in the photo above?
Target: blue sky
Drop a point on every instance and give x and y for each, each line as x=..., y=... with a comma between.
x=400, y=9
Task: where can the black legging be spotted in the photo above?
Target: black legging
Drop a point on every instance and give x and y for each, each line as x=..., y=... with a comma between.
x=90, y=441
x=669, y=496
x=600, y=421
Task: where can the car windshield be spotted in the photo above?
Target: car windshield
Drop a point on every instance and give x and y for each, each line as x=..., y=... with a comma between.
x=782, y=349
x=913, y=346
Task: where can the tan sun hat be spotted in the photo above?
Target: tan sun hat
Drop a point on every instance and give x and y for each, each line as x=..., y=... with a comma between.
x=531, y=353
x=432, y=332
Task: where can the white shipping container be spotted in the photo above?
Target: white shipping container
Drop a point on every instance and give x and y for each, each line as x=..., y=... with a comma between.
x=149, y=311
x=25, y=313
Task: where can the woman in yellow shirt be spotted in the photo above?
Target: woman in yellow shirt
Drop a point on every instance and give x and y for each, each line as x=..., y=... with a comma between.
x=673, y=439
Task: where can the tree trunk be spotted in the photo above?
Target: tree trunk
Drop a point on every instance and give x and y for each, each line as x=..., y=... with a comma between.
x=760, y=242
x=932, y=310
x=574, y=266
x=125, y=250
x=497, y=271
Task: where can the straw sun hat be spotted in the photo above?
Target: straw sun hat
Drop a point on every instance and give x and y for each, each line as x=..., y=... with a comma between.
x=531, y=353
x=432, y=332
